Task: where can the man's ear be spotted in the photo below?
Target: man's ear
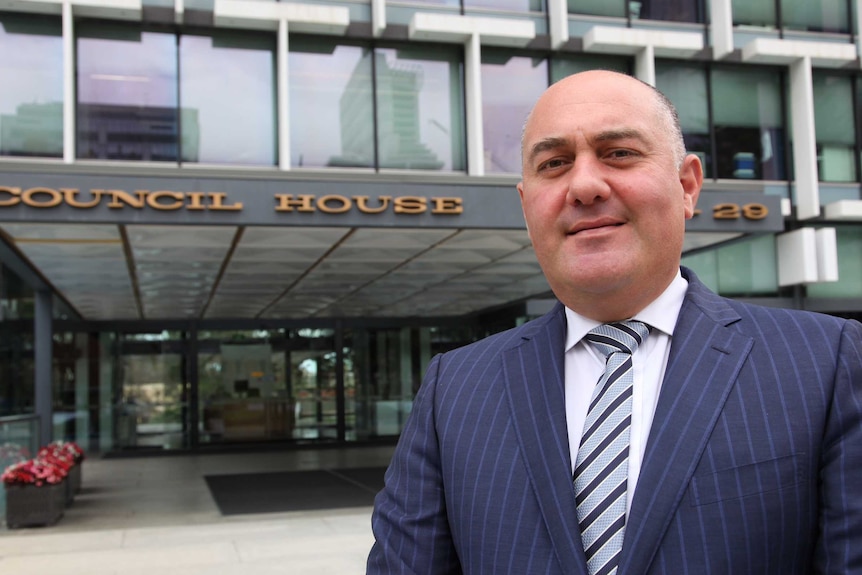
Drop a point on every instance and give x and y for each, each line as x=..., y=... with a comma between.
x=520, y=187
x=691, y=179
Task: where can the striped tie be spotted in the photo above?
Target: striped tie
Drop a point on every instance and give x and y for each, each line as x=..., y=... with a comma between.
x=601, y=470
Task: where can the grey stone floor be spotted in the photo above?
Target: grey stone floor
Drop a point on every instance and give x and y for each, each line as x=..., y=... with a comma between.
x=155, y=515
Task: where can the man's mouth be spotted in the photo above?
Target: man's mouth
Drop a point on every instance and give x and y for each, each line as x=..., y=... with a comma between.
x=594, y=225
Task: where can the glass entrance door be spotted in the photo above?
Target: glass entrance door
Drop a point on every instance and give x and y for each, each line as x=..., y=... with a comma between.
x=150, y=392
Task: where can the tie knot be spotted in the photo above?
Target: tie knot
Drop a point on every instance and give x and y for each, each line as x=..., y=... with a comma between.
x=624, y=336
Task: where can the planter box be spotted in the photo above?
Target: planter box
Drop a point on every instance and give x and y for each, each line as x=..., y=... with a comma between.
x=28, y=505
x=75, y=477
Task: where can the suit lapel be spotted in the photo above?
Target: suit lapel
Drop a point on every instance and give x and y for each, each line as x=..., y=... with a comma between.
x=706, y=356
x=535, y=385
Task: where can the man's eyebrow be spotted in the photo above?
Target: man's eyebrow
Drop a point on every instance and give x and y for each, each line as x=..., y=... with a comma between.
x=545, y=145
x=621, y=134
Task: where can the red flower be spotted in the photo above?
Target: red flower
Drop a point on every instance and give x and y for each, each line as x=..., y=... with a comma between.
x=34, y=472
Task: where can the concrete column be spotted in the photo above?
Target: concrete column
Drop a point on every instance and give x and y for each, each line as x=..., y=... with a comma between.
x=721, y=28
x=43, y=359
x=558, y=22
x=68, y=84
x=282, y=97
x=378, y=17
x=645, y=64
x=804, y=139
x=473, y=88
x=858, y=37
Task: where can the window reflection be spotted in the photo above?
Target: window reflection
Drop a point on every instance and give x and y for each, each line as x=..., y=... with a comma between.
x=510, y=87
x=31, y=74
x=816, y=15
x=562, y=66
x=598, y=7
x=127, y=94
x=323, y=75
x=834, y=122
x=419, y=109
x=753, y=13
x=686, y=87
x=749, y=133
x=416, y=101
x=231, y=121
x=507, y=5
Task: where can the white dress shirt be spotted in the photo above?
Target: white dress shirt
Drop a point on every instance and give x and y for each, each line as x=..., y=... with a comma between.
x=584, y=366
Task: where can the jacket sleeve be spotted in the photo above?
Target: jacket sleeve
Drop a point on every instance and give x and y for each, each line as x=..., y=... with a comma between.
x=410, y=524
x=839, y=545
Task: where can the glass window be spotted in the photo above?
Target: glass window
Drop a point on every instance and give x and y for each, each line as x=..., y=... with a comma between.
x=127, y=94
x=420, y=108
x=849, y=284
x=744, y=268
x=331, y=104
x=754, y=13
x=598, y=7
x=562, y=66
x=507, y=5
x=667, y=10
x=228, y=122
x=510, y=87
x=749, y=132
x=816, y=15
x=17, y=373
x=834, y=122
x=31, y=73
x=685, y=85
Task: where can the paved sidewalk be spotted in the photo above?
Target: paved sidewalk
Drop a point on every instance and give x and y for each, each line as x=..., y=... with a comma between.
x=155, y=515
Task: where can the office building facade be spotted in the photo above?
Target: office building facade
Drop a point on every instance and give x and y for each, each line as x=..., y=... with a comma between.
x=226, y=222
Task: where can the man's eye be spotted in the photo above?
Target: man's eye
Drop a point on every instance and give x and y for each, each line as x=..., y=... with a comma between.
x=621, y=153
x=551, y=164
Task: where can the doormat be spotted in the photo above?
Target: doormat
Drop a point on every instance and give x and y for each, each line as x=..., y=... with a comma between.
x=295, y=490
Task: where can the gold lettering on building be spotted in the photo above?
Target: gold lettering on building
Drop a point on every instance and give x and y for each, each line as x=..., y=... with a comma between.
x=154, y=200
x=14, y=200
x=217, y=202
x=70, y=196
x=410, y=205
x=452, y=206
x=169, y=200
x=30, y=196
x=362, y=204
x=302, y=203
x=323, y=204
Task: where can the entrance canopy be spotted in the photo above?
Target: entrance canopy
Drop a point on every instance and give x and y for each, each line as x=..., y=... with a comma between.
x=181, y=247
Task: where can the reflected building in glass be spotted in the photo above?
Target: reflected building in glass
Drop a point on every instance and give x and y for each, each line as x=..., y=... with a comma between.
x=257, y=222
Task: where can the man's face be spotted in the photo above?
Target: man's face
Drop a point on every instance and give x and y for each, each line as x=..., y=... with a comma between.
x=603, y=198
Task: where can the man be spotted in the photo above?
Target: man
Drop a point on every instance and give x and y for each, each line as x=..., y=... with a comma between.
x=741, y=440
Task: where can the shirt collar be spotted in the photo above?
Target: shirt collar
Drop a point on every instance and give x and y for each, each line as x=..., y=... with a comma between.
x=661, y=314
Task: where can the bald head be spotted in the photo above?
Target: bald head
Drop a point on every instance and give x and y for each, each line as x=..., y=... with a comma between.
x=665, y=110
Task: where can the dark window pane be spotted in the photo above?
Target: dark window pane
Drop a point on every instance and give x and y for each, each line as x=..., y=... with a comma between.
x=420, y=109
x=749, y=130
x=510, y=87
x=31, y=76
x=127, y=94
x=227, y=95
x=331, y=104
x=685, y=86
x=668, y=10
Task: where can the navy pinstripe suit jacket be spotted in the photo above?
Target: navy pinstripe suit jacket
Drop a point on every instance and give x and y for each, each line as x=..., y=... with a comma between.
x=753, y=463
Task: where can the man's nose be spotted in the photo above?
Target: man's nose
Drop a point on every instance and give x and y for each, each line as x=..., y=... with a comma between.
x=587, y=183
